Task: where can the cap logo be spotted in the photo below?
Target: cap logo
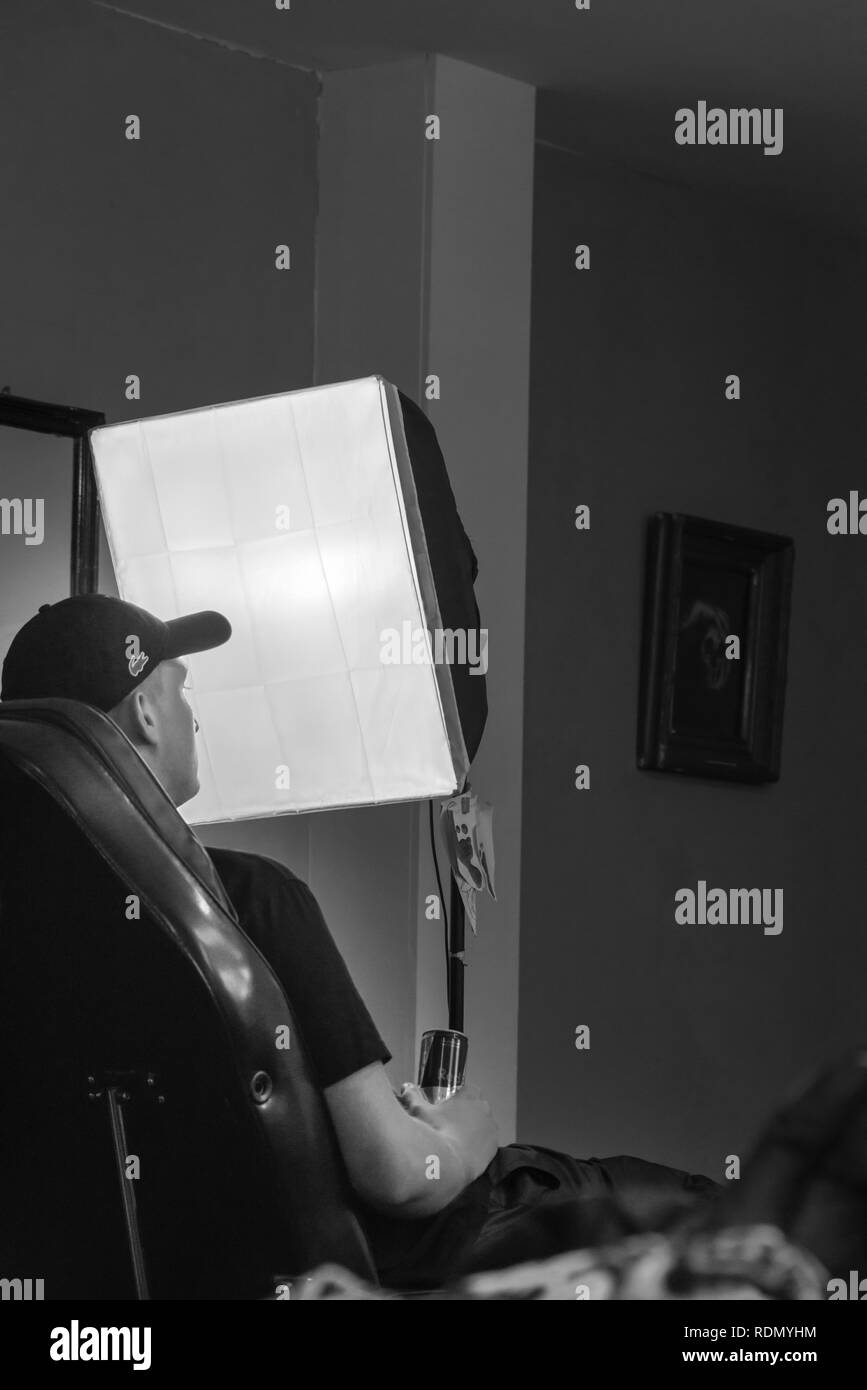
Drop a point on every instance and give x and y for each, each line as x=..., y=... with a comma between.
x=136, y=658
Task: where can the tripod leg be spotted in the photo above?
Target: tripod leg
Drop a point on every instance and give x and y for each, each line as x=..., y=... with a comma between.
x=115, y=1096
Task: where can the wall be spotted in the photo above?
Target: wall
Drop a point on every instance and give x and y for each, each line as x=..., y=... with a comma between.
x=369, y=292
x=157, y=257
x=479, y=345
x=34, y=468
x=153, y=256
x=696, y=1032
x=424, y=268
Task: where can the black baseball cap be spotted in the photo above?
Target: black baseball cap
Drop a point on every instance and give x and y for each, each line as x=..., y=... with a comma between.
x=96, y=648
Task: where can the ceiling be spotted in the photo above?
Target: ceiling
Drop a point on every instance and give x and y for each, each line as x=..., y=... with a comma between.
x=613, y=76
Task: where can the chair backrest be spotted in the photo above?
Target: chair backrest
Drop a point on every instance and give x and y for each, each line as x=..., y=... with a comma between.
x=120, y=954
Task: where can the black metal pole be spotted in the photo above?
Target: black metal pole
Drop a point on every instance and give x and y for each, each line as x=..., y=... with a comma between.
x=457, y=926
x=84, y=557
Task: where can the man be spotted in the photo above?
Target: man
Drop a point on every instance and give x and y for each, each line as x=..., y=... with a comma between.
x=125, y=661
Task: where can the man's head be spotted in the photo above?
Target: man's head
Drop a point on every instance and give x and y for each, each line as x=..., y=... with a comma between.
x=158, y=722
x=126, y=662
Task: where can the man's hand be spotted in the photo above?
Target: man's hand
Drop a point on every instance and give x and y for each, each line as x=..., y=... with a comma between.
x=465, y=1118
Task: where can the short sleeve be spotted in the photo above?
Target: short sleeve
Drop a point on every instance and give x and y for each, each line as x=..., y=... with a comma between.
x=282, y=918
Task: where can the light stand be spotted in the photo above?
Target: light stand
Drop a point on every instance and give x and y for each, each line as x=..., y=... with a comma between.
x=457, y=927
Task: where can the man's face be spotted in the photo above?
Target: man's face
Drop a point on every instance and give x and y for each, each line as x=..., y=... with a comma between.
x=177, y=756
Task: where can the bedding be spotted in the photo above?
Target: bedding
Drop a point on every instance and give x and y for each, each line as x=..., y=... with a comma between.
x=792, y=1227
x=751, y=1262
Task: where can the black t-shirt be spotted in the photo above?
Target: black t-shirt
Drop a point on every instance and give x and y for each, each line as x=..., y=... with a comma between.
x=281, y=916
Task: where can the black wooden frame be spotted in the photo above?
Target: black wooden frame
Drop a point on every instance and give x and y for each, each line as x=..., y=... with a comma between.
x=768, y=559
x=71, y=423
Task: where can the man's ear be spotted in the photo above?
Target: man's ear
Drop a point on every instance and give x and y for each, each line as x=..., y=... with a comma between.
x=135, y=715
x=142, y=716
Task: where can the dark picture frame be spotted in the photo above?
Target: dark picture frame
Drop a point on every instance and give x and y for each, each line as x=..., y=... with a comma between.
x=701, y=712
x=72, y=423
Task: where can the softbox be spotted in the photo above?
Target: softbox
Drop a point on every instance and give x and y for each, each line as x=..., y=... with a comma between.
x=322, y=524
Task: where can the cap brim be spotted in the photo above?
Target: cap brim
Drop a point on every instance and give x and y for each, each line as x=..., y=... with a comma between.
x=197, y=632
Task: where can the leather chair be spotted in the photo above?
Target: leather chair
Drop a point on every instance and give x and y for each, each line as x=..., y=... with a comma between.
x=155, y=1142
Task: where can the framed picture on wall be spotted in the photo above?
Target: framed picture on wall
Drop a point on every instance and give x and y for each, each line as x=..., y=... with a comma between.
x=714, y=649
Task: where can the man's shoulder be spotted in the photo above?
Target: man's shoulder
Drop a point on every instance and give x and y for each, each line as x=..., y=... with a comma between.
x=243, y=871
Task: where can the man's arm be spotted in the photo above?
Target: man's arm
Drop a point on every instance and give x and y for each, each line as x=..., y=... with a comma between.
x=384, y=1146
x=387, y=1144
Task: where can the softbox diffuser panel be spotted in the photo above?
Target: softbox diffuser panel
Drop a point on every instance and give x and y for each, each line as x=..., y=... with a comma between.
x=296, y=516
